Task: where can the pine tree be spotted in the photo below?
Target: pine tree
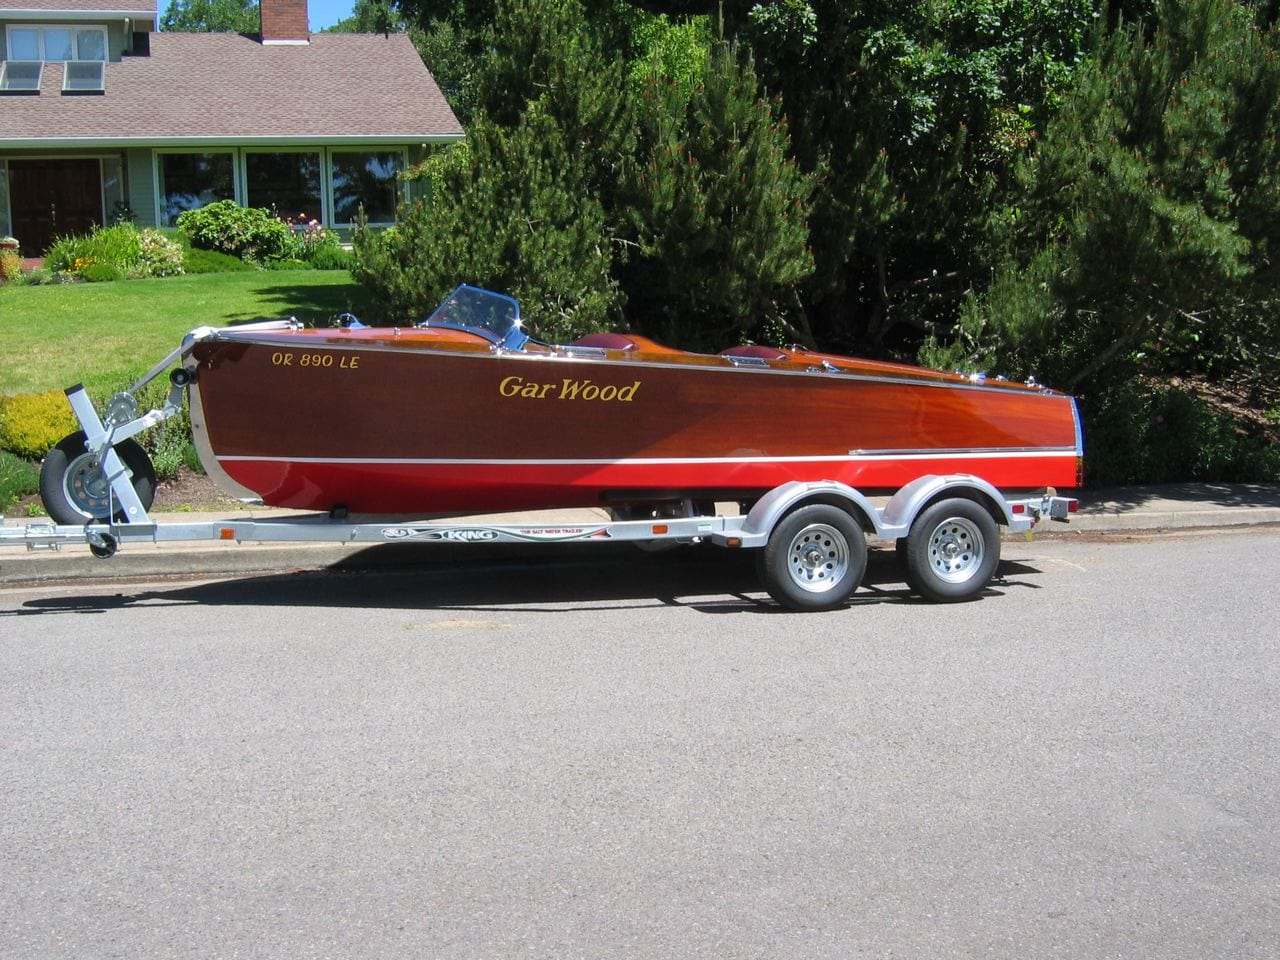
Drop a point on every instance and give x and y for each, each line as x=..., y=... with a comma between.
x=721, y=211
x=519, y=220
x=1150, y=212
x=582, y=198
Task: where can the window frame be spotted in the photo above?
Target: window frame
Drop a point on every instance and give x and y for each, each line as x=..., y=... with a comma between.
x=324, y=196
x=161, y=204
x=240, y=175
x=396, y=183
x=4, y=77
x=73, y=28
x=99, y=87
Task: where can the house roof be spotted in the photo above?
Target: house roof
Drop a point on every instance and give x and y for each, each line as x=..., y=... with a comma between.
x=225, y=88
x=132, y=8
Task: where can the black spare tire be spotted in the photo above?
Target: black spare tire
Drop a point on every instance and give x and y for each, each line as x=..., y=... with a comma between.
x=74, y=487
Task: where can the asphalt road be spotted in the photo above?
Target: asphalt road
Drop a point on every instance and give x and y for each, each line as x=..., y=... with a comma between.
x=627, y=755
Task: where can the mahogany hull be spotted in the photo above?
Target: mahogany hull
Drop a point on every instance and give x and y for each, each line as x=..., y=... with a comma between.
x=388, y=424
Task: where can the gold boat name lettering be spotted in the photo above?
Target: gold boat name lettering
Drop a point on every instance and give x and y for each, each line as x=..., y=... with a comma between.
x=567, y=390
x=319, y=361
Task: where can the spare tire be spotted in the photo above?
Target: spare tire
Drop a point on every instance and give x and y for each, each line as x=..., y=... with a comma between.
x=74, y=488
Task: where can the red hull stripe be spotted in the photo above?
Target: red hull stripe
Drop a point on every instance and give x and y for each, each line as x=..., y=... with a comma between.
x=966, y=455
x=409, y=486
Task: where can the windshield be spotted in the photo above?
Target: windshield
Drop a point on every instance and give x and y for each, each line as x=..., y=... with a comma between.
x=490, y=315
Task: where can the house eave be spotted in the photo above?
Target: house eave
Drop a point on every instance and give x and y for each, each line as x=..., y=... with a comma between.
x=166, y=143
x=81, y=16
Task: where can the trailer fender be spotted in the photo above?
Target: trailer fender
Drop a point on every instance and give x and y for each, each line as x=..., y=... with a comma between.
x=778, y=502
x=908, y=503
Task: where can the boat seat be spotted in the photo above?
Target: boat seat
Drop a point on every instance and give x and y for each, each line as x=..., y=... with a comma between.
x=605, y=341
x=756, y=352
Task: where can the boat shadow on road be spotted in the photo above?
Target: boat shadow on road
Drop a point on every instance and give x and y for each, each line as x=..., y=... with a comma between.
x=531, y=579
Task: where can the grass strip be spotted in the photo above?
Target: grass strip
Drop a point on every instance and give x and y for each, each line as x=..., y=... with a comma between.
x=102, y=334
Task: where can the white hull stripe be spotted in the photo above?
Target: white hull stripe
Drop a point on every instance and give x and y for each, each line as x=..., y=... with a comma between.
x=659, y=461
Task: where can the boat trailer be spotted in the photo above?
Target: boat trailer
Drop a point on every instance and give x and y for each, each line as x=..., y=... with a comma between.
x=810, y=535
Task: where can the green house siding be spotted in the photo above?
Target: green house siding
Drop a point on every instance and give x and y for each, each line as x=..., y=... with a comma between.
x=141, y=186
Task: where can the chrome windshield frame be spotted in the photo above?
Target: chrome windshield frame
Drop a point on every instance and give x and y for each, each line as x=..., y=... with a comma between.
x=499, y=314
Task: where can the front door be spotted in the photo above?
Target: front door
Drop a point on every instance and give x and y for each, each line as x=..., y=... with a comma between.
x=53, y=198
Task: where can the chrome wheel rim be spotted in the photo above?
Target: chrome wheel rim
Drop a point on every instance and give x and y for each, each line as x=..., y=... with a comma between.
x=818, y=558
x=956, y=549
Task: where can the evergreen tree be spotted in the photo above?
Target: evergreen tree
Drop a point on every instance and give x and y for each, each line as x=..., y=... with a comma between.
x=910, y=115
x=1150, y=212
x=720, y=211
x=688, y=211
x=520, y=219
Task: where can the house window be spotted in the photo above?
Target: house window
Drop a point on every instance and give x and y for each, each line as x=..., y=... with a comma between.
x=288, y=183
x=189, y=181
x=82, y=76
x=57, y=43
x=24, y=43
x=20, y=76
x=368, y=180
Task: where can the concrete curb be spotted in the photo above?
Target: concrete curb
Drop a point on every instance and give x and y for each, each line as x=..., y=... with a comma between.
x=1148, y=509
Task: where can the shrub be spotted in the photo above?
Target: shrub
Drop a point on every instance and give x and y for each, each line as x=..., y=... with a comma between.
x=10, y=268
x=1140, y=434
x=288, y=264
x=171, y=448
x=119, y=247
x=160, y=256
x=115, y=253
x=37, y=277
x=196, y=260
x=98, y=272
x=250, y=233
x=169, y=445
x=18, y=478
x=31, y=423
x=312, y=240
x=332, y=258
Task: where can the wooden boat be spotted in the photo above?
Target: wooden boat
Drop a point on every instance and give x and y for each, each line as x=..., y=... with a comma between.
x=465, y=413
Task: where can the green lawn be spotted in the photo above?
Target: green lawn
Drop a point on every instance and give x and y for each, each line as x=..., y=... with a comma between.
x=100, y=334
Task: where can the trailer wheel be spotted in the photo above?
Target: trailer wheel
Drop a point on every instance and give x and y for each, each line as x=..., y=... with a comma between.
x=75, y=489
x=952, y=551
x=815, y=558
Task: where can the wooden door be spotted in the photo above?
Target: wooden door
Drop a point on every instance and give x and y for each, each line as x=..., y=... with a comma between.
x=53, y=198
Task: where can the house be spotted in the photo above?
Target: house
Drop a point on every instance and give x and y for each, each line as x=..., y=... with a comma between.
x=103, y=117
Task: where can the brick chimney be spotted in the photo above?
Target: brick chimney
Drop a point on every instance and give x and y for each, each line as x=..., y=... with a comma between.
x=284, y=21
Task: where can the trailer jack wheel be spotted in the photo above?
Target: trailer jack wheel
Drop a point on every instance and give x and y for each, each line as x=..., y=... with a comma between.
x=74, y=488
x=815, y=558
x=106, y=549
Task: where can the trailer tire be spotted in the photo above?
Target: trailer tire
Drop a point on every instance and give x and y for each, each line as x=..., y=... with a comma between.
x=815, y=558
x=952, y=551
x=74, y=489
